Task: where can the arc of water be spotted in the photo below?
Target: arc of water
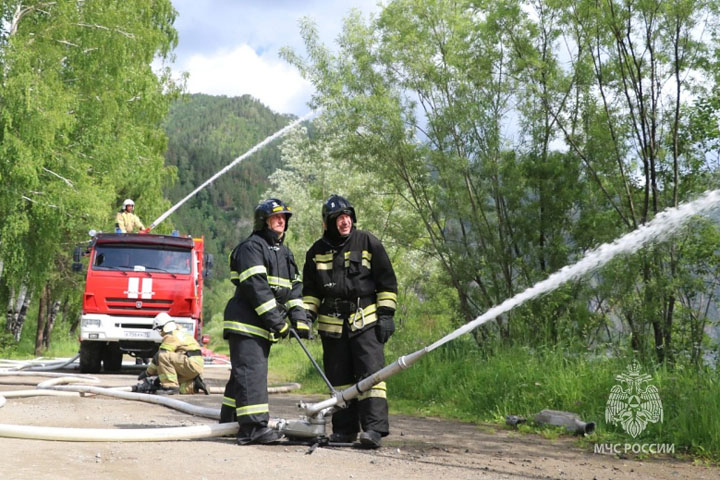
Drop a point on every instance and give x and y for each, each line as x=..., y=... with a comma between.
x=239, y=159
x=664, y=223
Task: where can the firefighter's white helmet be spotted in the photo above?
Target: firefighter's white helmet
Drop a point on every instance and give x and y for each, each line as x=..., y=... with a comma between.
x=128, y=201
x=164, y=322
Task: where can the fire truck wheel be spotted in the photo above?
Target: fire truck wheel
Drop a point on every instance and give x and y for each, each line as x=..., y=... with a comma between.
x=112, y=357
x=90, y=357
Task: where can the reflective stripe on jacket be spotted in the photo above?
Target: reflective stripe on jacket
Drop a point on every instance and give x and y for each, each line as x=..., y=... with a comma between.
x=350, y=285
x=178, y=341
x=267, y=284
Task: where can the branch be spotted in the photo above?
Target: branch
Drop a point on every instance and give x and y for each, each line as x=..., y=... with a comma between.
x=45, y=204
x=34, y=201
x=129, y=35
x=65, y=42
x=68, y=182
x=101, y=27
x=17, y=16
x=21, y=12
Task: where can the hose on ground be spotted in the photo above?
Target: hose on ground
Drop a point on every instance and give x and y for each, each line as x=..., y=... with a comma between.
x=52, y=387
x=37, y=365
x=118, y=435
x=44, y=374
x=179, y=405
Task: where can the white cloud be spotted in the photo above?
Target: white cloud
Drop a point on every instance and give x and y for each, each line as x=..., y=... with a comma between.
x=241, y=71
x=230, y=47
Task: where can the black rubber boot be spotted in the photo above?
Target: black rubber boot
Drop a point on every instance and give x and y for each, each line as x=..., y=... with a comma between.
x=340, y=437
x=370, y=439
x=167, y=391
x=258, y=436
x=199, y=385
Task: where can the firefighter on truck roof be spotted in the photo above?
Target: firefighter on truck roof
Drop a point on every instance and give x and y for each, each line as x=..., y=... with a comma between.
x=126, y=220
x=350, y=288
x=267, y=291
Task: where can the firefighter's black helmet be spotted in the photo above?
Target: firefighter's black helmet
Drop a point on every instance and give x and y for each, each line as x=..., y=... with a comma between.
x=268, y=208
x=334, y=206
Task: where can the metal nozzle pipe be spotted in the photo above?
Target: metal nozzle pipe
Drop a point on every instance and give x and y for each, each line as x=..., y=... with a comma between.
x=342, y=397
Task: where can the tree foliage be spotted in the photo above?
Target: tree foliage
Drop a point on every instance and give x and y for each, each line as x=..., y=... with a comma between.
x=80, y=116
x=525, y=133
x=312, y=172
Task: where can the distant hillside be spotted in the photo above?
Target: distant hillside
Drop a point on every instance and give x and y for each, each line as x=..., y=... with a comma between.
x=205, y=134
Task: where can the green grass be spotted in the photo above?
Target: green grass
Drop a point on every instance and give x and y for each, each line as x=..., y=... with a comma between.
x=458, y=381
x=287, y=363
x=62, y=344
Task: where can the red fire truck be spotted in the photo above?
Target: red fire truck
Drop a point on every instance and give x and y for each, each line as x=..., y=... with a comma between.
x=130, y=279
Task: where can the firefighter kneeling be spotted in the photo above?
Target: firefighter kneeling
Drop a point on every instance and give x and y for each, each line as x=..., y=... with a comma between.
x=178, y=363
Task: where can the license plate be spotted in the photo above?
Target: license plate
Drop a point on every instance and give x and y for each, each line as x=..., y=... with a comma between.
x=137, y=334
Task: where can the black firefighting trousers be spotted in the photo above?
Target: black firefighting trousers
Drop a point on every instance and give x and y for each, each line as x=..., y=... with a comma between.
x=246, y=393
x=348, y=360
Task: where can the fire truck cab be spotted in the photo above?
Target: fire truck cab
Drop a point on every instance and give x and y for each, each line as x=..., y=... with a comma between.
x=130, y=279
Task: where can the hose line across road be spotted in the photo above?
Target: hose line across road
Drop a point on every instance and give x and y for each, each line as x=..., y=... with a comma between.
x=75, y=385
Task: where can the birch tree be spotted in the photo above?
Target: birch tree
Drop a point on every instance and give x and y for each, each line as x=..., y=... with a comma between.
x=80, y=123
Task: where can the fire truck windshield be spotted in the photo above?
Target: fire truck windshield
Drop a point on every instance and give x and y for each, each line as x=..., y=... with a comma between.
x=142, y=258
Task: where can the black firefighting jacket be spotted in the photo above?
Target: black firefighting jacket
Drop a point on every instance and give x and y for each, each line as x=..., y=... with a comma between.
x=349, y=285
x=267, y=283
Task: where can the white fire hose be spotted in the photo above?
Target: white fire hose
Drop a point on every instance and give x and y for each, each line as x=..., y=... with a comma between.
x=52, y=388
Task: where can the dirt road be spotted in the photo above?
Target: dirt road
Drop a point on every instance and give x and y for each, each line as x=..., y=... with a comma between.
x=418, y=448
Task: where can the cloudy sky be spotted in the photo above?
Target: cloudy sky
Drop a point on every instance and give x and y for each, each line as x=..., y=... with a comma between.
x=230, y=47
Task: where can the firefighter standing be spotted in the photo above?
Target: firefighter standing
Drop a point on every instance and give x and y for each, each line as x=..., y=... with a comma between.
x=178, y=362
x=126, y=220
x=268, y=288
x=351, y=289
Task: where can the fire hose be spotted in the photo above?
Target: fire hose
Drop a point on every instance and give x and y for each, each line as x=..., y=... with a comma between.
x=51, y=388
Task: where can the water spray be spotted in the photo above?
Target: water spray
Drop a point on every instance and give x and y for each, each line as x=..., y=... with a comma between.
x=225, y=169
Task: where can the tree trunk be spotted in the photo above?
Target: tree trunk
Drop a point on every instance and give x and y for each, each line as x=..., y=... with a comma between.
x=75, y=321
x=659, y=345
x=635, y=337
x=17, y=310
x=10, y=313
x=42, y=312
x=52, y=316
x=667, y=334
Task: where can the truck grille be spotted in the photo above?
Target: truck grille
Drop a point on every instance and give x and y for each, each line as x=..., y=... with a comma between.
x=135, y=325
x=138, y=305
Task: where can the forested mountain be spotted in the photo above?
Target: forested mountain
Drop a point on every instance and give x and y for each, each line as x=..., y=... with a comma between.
x=206, y=133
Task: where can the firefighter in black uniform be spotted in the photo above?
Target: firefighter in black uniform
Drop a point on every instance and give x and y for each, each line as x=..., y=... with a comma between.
x=268, y=291
x=349, y=287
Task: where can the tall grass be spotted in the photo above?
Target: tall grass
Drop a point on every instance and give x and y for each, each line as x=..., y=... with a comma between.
x=62, y=344
x=459, y=381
